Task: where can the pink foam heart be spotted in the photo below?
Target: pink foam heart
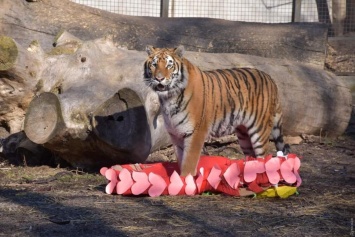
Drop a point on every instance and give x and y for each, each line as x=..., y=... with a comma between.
x=252, y=168
x=199, y=180
x=190, y=188
x=296, y=167
x=103, y=171
x=297, y=164
x=175, y=185
x=158, y=185
x=125, y=182
x=287, y=171
x=271, y=167
x=298, y=178
x=260, y=166
x=213, y=178
x=141, y=184
x=110, y=174
x=232, y=175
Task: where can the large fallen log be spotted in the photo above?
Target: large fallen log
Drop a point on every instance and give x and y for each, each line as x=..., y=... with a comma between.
x=18, y=78
x=92, y=107
x=25, y=21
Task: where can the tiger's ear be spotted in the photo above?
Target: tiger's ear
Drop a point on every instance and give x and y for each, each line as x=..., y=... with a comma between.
x=179, y=51
x=149, y=49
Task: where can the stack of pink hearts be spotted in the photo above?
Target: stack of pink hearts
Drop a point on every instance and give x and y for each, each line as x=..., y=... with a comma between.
x=214, y=174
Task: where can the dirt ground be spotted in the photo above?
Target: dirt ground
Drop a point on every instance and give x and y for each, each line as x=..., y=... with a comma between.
x=46, y=201
x=55, y=201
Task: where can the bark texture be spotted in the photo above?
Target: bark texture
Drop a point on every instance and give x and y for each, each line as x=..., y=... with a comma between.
x=42, y=20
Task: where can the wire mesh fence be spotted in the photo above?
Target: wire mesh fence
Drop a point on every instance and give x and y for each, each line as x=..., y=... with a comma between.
x=339, y=14
x=126, y=7
x=242, y=10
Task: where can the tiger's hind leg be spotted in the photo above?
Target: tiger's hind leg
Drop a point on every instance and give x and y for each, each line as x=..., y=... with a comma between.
x=245, y=142
x=253, y=141
x=277, y=135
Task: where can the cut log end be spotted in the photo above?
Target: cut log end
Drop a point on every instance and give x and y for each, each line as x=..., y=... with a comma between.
x=43, y=118
x=8, y=53
x=122, y=122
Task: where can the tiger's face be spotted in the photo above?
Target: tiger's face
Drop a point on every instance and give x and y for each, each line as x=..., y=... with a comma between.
x=163, y=69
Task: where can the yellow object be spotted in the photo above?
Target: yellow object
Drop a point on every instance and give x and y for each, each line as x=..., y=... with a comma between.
x=282, y=192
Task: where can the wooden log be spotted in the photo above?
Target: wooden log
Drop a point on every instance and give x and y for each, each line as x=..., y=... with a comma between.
x=41, y=20
x=19, y=72
x=92, y=109
x=116, y=132
x=96, y=94
x=314, y=101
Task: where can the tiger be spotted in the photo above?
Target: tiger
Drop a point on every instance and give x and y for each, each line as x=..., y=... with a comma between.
x=197, y=105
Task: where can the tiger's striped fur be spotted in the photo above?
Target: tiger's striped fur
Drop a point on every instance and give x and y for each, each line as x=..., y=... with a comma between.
x=197, y=104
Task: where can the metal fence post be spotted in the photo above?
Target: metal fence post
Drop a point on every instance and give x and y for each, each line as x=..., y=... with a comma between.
x=164, y=8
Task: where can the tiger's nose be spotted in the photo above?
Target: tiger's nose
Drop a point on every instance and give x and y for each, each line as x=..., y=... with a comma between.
x=159, y=76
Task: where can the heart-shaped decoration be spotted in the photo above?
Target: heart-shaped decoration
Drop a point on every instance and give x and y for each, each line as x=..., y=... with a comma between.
x=296, y=167
x=297, y=163
x=213, y=178
x=158, y=185
x=103, y=171
x=286, y=171
x=190, y=188
x=125, y=182
x=110, y=174
x=271, y=167
x=199, y=180
x=232, y=175
x=252, y=168
x=141, y=184
x=175, y=185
